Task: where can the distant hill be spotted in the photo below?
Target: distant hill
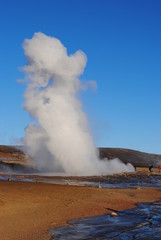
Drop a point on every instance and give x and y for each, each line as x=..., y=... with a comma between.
x=136, y=158
x=11, y=149
x=12, y=158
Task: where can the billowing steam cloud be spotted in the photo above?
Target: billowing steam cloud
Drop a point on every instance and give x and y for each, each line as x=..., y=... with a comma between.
x=60, y=140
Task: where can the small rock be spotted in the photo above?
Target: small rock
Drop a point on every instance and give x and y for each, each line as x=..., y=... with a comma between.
x=113, y=214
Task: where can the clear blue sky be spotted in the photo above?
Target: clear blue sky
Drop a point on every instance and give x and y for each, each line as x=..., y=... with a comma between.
x=122, y=41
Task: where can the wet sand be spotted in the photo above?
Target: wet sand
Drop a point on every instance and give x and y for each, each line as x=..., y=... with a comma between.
x=29, y=210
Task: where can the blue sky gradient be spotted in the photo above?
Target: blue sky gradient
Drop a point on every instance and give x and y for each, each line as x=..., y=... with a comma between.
x=122, y=41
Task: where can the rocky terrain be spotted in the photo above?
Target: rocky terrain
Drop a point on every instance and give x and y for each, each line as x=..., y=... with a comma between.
x=14, y=159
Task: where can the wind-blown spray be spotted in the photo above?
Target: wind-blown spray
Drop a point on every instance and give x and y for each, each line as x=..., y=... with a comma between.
x=60, y=140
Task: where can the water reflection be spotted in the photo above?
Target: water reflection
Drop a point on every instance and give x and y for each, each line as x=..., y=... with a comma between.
x=142, y=223
x=103, y=181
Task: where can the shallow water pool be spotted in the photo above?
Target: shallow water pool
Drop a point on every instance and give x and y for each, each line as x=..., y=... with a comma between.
x=142, y=223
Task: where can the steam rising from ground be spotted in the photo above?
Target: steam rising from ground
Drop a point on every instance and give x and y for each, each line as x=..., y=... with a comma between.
x=60, y=140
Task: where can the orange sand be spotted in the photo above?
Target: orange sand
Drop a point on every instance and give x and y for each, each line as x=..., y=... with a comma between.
x=29, y=210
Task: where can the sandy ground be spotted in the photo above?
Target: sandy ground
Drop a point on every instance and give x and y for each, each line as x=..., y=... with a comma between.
x=29, y=210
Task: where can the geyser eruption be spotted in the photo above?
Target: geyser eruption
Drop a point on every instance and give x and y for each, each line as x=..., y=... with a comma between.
x=59, y=140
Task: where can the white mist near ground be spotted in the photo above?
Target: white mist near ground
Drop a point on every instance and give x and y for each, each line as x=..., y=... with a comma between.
x=59, y=141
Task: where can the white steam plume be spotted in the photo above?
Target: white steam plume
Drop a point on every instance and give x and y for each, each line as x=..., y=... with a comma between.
x=60, y=140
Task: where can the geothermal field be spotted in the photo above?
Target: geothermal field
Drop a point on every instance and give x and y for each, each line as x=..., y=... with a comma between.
x=35, y=205
x=57, y=184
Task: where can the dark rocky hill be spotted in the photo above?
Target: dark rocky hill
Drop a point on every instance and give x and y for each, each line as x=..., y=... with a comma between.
x=11, y=149
x=136, y=158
